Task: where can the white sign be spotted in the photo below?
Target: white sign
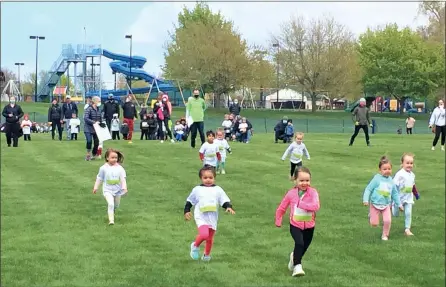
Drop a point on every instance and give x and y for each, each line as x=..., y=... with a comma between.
x=102, y=133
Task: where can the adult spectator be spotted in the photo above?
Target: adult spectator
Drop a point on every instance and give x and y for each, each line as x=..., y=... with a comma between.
x=55, y=117
x=68, y=109
x=279, y=130
x=162, y=113
x=235, y=108
x=237, y=133
x=361, y=118
x=195, y=116
x=12, y=113
x=130, y=114
x=87, y=103
x=437, y=123
x=110, y=108
x=92, y=115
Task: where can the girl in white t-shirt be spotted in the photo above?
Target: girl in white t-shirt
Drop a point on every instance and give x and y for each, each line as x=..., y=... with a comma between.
x=206, y=198
x=404, y=180
x=26, y=128
x=209, y=152
x=114, y=184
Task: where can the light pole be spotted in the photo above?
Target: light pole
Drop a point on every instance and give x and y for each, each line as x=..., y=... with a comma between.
x=130, y=76
x=276, y=45
x=37, y=38
x=20, y=83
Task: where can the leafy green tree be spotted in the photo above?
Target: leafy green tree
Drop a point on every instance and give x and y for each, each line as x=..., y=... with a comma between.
x=315, y=55
x=206, y=49
x=399, y=63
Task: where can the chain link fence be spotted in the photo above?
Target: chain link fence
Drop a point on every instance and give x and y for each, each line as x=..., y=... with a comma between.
x=306, y=125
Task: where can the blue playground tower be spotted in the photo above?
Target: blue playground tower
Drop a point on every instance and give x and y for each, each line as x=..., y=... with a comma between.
x=120, y=65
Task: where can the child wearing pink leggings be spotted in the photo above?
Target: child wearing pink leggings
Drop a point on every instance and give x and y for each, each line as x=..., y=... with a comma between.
x=206, y=198
x=379, y=194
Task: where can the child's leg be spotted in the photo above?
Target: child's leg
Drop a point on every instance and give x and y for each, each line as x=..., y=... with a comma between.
x=117, y=201
x=203, y=234
x=374, y=215
x=209, y=242
x=407, y=215
x=75, y=136
x=110, y=206
x=298, y=238
x=222, y=163
x=308, y=237
x=387, y=221
x=292, y=168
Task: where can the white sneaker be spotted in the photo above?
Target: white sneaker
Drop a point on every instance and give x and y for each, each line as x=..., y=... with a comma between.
x=385, y=238
x=223, y=171
x=172, y=141
x=298, y=271
x=433, y=148
x=407, y=232
x=442, y=147
x=111, y=223
x=291, y=262
x=162, y=141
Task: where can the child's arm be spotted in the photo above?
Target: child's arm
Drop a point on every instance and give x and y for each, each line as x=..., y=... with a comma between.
x=395, y=196
x=201, y=152
x=227, y=147
x=368, y=190
x=224, y=201
x=415, y=192
x=281, y=209
x=306, y=153
x=99, y=179
x=287, y=151
x=218, y=156
x=123, y=179
x=311, y=206
x=190, y=201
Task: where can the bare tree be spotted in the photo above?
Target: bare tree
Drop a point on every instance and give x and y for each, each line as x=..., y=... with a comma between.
x=316, y=55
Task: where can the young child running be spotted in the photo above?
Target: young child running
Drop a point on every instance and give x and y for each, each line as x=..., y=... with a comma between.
x=405, y=183
x=114, y=184
x=296, y=150
x=206, y=198
x=26, y=128
x=378, y=195
x=223, y=146
x=304, y=202
x=209, y=153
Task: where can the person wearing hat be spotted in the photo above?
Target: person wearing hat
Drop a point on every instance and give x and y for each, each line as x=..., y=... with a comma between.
x=279, y=130
x=361, y=118
x=68, y=109
x=195, y=117
x=110, y=108
x=55, y=118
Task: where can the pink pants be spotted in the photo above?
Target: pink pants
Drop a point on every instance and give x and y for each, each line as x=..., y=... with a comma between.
x=387, y=218
x=205, y=232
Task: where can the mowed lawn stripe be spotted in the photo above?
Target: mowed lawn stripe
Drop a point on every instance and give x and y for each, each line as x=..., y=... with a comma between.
x=59, y=236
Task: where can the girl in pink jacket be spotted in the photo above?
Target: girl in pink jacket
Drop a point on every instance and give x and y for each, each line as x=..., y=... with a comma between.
x=304, y=202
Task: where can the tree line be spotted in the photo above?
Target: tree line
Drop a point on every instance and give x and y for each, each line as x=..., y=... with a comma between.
x=320, y=56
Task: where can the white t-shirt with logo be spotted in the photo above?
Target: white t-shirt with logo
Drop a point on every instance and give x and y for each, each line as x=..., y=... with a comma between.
x=404, y=182
x=210, y=153
x=112, y=177
x=26, y=127
x=207, y=200
x=222, y=147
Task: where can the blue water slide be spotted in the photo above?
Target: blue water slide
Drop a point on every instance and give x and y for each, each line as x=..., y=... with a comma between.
x=121, y=64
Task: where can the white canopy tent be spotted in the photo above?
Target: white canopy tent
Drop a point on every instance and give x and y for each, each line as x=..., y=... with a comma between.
x=285, y=95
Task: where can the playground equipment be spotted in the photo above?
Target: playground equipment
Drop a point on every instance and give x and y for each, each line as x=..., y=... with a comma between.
x=121, y=64
x=10, y=90
x=379, y=104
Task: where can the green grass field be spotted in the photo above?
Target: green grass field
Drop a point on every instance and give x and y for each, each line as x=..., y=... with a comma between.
x=55, y=232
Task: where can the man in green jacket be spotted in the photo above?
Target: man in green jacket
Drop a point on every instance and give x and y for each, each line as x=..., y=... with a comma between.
x=195, y=117
x=361, y=118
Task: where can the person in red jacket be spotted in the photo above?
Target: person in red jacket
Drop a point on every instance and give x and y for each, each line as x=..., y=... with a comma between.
x=304, y=202
x=130, y=114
